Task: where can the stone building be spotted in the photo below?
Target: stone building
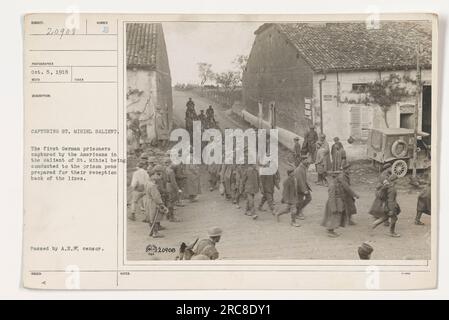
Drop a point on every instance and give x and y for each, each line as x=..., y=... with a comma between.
x=303, y=73
x=149, y=90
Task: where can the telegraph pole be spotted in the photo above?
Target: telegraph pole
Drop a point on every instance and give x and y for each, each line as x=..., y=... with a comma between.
x=417, y=104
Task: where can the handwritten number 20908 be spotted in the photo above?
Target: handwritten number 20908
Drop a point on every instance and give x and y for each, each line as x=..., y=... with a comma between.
x=60, y=32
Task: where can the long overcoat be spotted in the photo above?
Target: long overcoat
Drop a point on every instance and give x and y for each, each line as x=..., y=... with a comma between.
x=334, y=216
x=192, y=185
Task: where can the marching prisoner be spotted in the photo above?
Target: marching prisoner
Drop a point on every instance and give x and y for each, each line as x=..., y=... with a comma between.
x=321, y=164
x=424, y=204
x=251, y=187
x=297, y=151
x=154, y=206
x=289, y=198
x=349, y=195
x=161, y=183
x=310, y=140
x=334, y=211
x=139, y=179
x=337, y=151
x=302, y=187
x=193, y=182
x=267, y=184
x=236, y=184
x=210, y=117
x=226, y=173
x=202, y=118
x=385, y=174
x=327, y=156
x=390, y=208
x=173, y=191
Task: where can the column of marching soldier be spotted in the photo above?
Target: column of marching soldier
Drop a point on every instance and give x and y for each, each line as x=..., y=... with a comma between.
x=162, y=185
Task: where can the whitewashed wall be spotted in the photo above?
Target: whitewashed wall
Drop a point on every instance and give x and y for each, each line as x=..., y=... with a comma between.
x=145, y=81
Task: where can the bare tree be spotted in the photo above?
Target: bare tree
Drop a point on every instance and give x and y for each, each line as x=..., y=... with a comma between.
x=205, y=72
x=240, y=63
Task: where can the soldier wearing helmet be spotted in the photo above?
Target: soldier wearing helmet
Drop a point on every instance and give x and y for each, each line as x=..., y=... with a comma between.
x=206, y=247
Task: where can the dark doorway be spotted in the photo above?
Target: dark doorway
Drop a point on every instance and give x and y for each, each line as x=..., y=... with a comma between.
x=427, y=110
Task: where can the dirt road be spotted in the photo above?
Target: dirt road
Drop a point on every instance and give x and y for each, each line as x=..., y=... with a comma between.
x=264, y=238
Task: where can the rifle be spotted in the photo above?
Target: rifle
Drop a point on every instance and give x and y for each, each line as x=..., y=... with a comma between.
x=186, y=248
x=153, y=225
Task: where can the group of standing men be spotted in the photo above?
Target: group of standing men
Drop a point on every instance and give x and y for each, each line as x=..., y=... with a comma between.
x=159, y=186
x=317, y=150
x=207, y=119
x=333, y=170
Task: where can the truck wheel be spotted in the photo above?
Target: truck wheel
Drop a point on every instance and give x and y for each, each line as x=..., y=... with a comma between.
x=399, y=149
x=399, y=168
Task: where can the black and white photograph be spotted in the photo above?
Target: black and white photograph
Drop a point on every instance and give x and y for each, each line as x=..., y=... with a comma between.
x=225, y=150
x=306, y=140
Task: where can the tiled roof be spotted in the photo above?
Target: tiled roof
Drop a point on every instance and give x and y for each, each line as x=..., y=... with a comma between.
x=141, y=44
x=352, y=46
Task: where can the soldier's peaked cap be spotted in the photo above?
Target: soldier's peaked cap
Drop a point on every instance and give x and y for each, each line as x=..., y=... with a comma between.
x=214, y=232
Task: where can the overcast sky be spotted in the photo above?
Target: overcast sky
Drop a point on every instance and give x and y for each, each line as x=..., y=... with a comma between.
x=189, y=43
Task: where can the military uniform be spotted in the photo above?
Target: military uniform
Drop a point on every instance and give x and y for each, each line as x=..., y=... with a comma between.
x=310, y=140
x=297, y=153
x=193, y=184
x=386, y=207
x=327, y=153
x=289, y=198
x=139, y=179
x=334, y=216
x=210, y=117
x=202, y=118
x=172, y=191
x=392, y=208
x=423, y=205
x=383, y=176
x=190, y=117
x=251, y=187
x=153, y=202
x=378, y=207
x=210, y=113
x=206, y=247
x=321, y=165
x=349, y=196
x=336, y=154
x=267, y=184
x=227, y=170
x=180, y=176
x=162, y=182
x=236, y=184
x=303, y=189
